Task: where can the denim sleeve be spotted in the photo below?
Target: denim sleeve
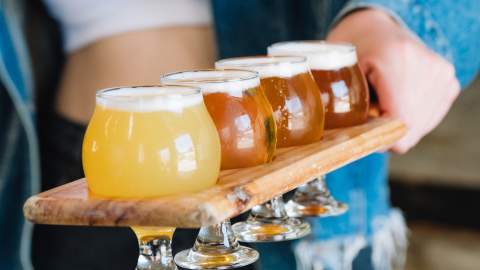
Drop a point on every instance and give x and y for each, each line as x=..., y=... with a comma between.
x=449, y=27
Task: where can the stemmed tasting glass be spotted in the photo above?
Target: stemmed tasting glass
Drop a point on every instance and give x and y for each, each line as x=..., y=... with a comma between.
x=345, y=95
x=149, y=141
x=299, y=115
x=246, y=127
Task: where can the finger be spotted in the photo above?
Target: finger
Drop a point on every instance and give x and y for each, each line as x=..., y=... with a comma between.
x=443, y=106
x=379, y=79
x=366, y=65
x=403, y=145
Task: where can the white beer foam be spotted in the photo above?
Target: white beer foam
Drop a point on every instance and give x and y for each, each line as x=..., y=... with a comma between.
x=232, y=81
x=169, y=98
x=321, y=55
x=267, y=66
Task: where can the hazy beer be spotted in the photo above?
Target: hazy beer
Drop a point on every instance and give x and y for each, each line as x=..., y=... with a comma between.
x=292, y=93
x=150, y=141
x=240, y=111
x=336, y=71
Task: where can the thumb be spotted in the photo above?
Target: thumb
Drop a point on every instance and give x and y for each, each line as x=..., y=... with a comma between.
x=370, y=72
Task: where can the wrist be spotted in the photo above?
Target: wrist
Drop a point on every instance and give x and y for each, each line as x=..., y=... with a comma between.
x=374, y=15
x=360, y=22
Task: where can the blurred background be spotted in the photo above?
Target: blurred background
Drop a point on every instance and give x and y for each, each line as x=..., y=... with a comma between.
x=437, y=185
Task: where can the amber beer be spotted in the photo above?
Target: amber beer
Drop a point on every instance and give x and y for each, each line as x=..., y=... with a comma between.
x=241, y=113
x=292, y=92
x=341, y=82
x=245, y=125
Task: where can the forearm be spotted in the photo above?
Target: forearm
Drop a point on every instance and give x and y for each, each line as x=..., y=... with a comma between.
x=130, y=58
x=450, y=27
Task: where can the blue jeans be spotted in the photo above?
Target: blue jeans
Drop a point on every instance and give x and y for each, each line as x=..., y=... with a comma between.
x=335, y=241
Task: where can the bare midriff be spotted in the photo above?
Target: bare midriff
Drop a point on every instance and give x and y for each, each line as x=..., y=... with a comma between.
x=131, y=58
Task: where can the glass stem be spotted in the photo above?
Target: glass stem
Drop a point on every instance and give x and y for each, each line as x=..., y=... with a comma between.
x=214, y=237
x=156, y=254
x=216, y=247
x=273, y=209
x=317, y=185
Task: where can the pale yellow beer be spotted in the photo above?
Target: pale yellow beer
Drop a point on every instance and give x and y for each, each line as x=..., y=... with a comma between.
x=150, y=141
x=144, y=142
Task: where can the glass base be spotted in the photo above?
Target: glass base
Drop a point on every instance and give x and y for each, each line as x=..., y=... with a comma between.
x=156, y=254
x=314, y=200
x=146, y=263
x=261, y=230
x=312, y=205
x=220, y=259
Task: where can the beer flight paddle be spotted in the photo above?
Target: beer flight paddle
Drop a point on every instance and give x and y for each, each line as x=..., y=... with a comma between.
x=236, y=191
x=152, y=154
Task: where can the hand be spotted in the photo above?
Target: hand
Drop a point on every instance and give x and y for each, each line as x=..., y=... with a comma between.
x=413, y=83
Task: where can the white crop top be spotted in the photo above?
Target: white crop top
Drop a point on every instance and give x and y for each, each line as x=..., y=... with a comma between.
x=85, y=21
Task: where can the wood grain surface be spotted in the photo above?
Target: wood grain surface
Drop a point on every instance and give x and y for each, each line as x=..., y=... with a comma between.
x=236, y=191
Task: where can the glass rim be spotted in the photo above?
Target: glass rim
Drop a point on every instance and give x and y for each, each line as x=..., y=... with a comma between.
x=168, y=78
x=164, y=90
x=149, y=98
x=243, y=61
x=350, y=46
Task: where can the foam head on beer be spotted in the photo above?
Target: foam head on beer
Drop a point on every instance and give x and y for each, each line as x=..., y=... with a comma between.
x=320, y=55
x=213, y=81
x=149, y=99
x=267, y=66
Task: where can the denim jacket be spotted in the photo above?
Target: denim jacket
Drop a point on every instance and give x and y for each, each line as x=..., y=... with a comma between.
x=449, y=27
x=247, y=27
x=19, y=162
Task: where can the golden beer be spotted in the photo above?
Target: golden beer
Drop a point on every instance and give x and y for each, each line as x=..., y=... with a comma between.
x=241, y=113
x=292, y=93
x=144, y=142
x=335, y=69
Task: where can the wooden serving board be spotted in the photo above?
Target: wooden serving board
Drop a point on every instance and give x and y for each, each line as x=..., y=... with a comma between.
x=237, y=190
